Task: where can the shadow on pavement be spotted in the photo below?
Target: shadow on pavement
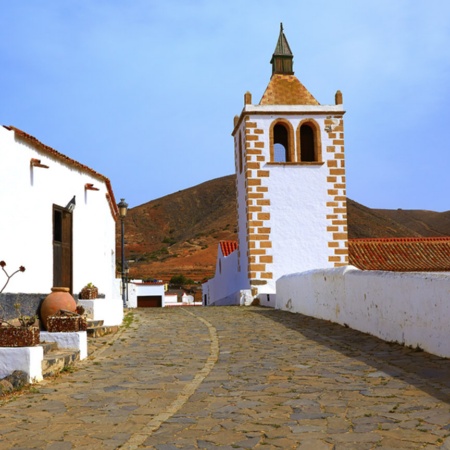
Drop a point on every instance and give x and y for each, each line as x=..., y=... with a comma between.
x=426, y=372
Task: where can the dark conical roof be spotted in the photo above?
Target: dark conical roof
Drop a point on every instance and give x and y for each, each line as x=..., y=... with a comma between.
x=282, y=58
x=282, y=47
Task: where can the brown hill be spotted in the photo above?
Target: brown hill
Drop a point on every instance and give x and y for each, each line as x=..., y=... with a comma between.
x=364, y=222
x=426, y=223
x=178, y=234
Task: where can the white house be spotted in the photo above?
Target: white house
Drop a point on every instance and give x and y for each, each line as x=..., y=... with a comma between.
x=58, y=221
x=154, y=294
x=146, y=294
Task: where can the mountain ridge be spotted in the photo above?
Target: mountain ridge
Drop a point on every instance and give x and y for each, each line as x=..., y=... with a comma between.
x=178, y=234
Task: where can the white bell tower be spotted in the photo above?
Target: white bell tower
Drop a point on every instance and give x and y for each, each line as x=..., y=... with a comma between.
x=291, y=188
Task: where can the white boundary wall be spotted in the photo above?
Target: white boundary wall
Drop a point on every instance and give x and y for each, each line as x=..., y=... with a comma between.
x=409, y=308
x=108, y=310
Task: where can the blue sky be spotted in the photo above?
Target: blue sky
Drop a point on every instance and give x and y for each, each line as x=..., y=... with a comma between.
x=145, y=91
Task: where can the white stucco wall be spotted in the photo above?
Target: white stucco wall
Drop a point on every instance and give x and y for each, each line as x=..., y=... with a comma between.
x=170, y=300
x=76, y=340
x=409, y=308
x=224, y=288
x=26, y=359
x=27, y=195
x=241, y=280
x=108, y=310
x=298, y=197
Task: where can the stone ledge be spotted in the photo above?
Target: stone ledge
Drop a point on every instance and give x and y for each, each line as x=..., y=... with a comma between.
x=25, y=359
x=75, y=340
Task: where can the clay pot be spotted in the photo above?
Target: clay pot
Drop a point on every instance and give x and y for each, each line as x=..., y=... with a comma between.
x=60, y=298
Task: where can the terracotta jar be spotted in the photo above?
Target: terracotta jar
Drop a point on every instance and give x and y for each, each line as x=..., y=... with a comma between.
x=60, y=298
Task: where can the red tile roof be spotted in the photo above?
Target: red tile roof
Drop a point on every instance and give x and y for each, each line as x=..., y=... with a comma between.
x=401, y=254
x=70, y=162
x=228, y=247
x=286, y=90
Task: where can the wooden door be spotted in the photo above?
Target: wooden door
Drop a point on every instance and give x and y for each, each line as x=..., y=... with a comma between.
x=62, y=247
x=149, y=301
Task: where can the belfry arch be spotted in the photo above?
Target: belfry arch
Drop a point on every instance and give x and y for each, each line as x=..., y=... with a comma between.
x=281, y=142
x=309, y=144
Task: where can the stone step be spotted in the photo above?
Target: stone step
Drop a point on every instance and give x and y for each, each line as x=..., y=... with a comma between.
x=48, y=346
x=94, y=323
x=56, y=360
x=98, y=331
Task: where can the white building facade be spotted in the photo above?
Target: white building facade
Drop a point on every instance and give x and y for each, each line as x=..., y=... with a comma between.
x=59, y=221
x=291, y=187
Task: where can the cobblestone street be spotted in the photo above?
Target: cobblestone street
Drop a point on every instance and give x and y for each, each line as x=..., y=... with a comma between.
x=237, y=377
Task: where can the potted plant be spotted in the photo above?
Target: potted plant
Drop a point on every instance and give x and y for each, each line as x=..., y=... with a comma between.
x=22, y=333
x=89, y=292
x=67, y=321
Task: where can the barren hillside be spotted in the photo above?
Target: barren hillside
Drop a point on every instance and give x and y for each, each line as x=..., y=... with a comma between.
x=178, y=234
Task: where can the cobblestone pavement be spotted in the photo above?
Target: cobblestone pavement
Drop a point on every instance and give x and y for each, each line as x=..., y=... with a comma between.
x=237, y=377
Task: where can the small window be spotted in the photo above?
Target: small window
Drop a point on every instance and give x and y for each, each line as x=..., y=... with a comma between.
x=280, y=143
x=307, y=144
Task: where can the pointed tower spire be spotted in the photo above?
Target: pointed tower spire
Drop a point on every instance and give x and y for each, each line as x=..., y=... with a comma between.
x=282, y=58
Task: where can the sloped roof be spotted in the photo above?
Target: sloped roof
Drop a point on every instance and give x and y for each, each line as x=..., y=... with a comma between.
x=69, y=162
x=282, y=48
x=401, y=254
x=286, y=90
x=228, y=247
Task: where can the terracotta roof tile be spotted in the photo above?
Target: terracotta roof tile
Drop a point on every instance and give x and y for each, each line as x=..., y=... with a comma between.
x=286, y=90
x=70, y=162
x=228, y=247
x=401, y=254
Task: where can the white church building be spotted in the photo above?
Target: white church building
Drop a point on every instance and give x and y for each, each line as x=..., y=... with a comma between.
x=293, y=251
x=291, y=192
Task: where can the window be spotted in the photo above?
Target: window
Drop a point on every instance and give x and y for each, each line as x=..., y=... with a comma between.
x=281, y=149
x=280, y=143
x=309, y=144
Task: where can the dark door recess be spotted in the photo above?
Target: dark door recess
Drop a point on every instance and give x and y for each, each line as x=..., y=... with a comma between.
x=149, y=301
x=62, y=247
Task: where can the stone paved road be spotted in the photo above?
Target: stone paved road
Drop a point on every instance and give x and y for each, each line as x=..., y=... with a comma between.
x=235, y=377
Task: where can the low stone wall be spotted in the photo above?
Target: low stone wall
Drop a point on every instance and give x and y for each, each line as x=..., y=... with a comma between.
x=409, y=308
x=29, y=304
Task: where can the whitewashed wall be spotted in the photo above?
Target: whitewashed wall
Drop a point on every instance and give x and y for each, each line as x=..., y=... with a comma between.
x=298, y=197
x=223, y=289
x=409, y=308
x=27, y=196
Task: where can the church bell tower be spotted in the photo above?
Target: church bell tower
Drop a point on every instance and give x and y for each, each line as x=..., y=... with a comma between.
x=290, y=175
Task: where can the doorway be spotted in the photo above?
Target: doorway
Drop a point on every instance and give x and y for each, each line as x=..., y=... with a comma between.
x=149, y=301
x=62, y=247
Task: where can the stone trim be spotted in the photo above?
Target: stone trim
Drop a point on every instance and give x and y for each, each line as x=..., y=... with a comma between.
x=259, y=253
x=337, y=218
